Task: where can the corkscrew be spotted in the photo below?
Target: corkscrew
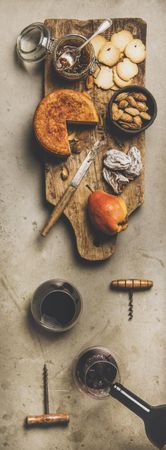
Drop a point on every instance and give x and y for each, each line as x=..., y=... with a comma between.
x=130, y=307
x=131, y=285
x=47, y=418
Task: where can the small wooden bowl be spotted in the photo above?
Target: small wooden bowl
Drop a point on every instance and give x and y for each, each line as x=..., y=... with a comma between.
x=151, y=103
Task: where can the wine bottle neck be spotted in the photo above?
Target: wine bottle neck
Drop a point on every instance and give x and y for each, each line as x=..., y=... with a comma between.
x=130, y=400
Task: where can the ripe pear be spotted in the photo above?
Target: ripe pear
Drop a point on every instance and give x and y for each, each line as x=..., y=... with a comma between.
x=108, y=213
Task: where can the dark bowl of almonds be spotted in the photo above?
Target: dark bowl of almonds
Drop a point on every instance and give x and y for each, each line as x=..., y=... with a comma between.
x=131, y=110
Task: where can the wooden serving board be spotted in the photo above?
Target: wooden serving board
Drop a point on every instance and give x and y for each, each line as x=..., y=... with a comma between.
x=90, y=244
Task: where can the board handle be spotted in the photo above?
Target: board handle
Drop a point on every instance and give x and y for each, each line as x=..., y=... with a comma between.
x=57, y=211
x=48, y=419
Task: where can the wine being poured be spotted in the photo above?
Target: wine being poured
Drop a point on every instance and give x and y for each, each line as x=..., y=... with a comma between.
x=154, y=417
x=96, y=373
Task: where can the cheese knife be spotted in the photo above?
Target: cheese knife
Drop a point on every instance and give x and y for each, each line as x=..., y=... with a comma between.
x=59, y=208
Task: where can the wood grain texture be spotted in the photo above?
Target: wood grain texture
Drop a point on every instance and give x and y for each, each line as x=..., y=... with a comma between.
x=134, y=284
x=58, y=209
x=90, y=244
x=48, y=419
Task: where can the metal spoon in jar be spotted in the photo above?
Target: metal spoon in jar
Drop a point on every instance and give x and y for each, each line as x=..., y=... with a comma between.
x=70, y=56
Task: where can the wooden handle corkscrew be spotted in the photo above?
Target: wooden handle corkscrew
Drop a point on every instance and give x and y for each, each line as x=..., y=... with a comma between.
x=134, y=284
x=130, y=285
x=48, y=419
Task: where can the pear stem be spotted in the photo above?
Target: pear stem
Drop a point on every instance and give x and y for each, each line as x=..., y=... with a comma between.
x=87, y=185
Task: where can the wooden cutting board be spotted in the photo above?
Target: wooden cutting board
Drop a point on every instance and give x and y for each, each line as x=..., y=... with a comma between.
x=90, y=244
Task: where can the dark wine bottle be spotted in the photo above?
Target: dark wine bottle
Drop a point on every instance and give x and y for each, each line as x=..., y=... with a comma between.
x=154, y=417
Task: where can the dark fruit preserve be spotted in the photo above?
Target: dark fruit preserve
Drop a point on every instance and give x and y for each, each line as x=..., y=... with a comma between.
x=81, y=63
x=59, y=305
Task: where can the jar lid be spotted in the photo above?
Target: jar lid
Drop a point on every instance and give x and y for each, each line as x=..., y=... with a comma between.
x=33, y=42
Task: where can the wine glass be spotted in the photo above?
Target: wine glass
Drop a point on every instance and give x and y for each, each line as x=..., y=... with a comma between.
x=95, y=369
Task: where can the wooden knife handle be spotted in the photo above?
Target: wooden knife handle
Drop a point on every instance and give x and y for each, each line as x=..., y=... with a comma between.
x=57, y=211
x=48, y=419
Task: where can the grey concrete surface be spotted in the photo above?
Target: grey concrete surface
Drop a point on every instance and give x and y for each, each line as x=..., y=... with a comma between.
x=27, y=260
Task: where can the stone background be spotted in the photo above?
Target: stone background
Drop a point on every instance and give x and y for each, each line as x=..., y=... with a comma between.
x=27, y=260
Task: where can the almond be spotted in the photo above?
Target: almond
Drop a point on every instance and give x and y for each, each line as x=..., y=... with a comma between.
x=124, y=124
x=72, y=136
x=64, y=173
x=133, y=126
x=121, y=96
x=115, y=107
x=139, y=96
x=132, y=101
x=123, y=104
x=138, y=121
x=142, y=106
x=116, y=115
x=128, y=125
x=89, y=82
x=145, y=115
x=132, y=111
x=126, y=117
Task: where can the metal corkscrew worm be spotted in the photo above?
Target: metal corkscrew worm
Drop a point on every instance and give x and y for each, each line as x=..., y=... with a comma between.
x=131, y=285
x=47, y=418
x=45, y=386
x=130, y=308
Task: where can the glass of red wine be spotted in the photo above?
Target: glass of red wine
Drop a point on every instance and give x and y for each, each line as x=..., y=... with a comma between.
x=95, y=369
x=96, y=373
x=56, y=305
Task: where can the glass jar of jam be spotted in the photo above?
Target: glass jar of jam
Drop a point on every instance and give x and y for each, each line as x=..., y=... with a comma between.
x=84, y=64
x=34, y=43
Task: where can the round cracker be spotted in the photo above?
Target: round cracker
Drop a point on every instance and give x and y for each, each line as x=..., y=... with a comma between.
x=118, y=81
x=104, y=78
x=135, y=51
x=98, y=42
x=126, y=69
x=114, y=87
x=121, y=39
x=109, y=55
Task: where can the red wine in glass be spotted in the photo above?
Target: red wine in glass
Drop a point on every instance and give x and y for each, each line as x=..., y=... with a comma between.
x=56, y=305
x=96, y=373
x=95, y=370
